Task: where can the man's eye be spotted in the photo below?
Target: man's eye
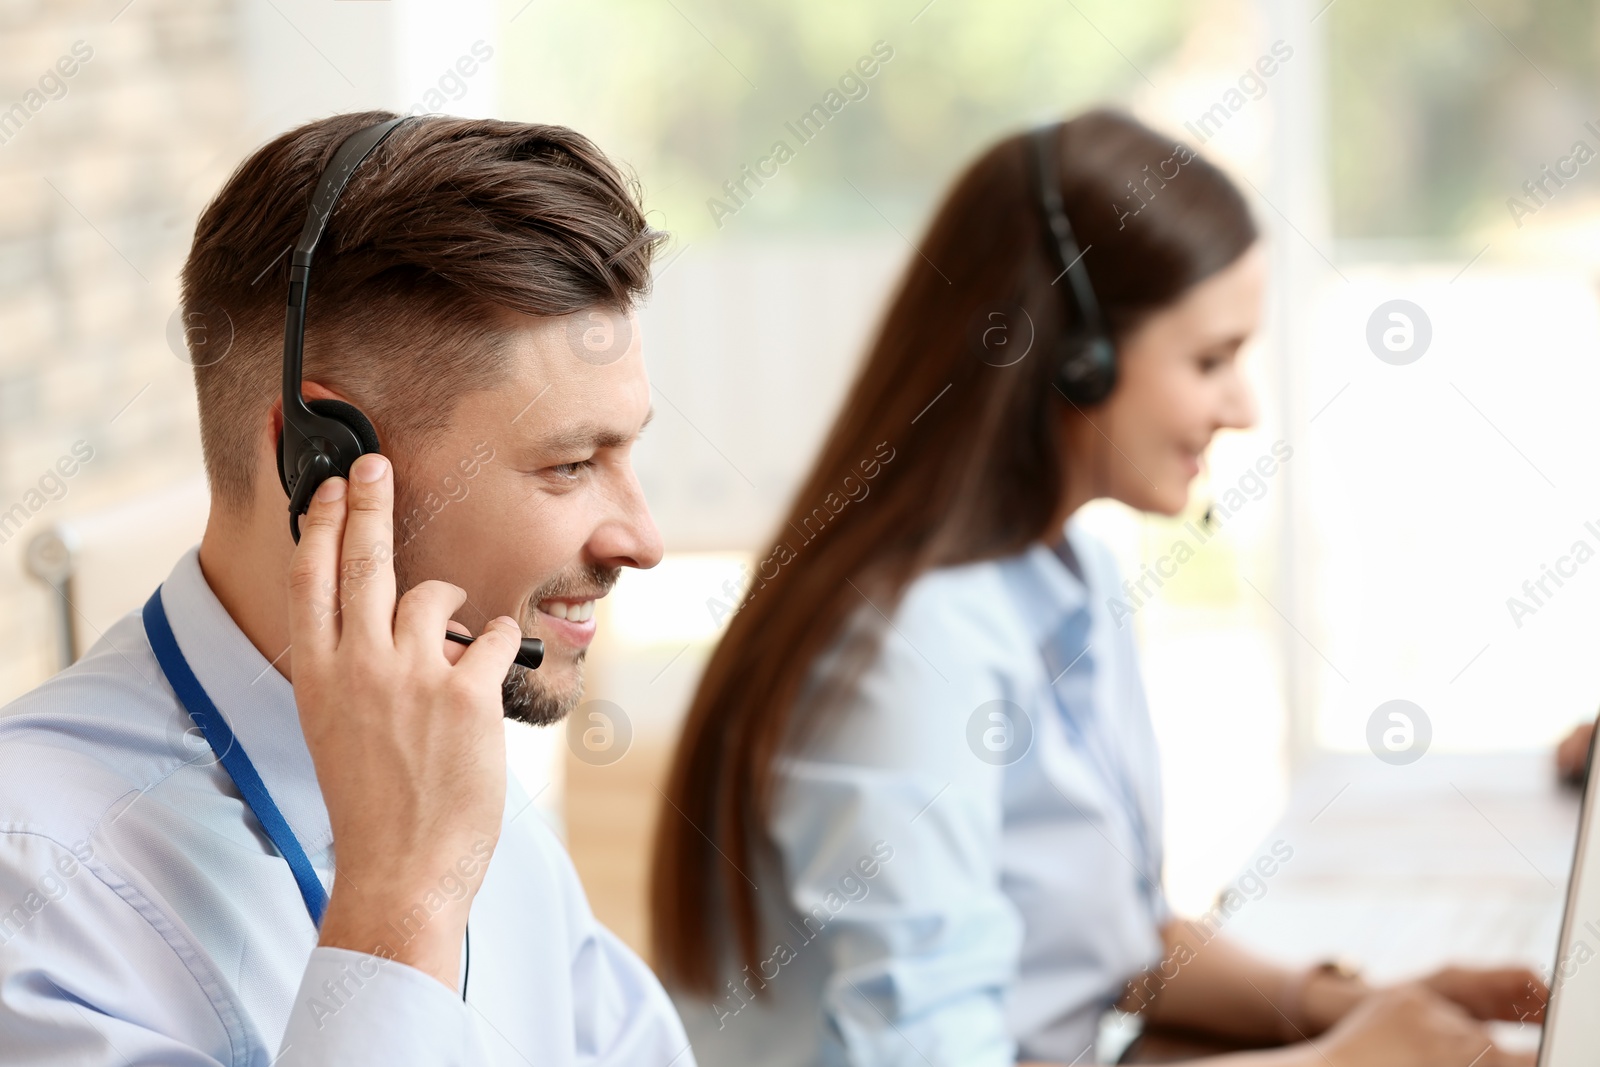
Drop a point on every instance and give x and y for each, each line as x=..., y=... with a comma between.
x=572, y=471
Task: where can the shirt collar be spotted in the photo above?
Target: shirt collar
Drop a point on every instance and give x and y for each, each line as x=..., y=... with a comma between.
x=256, y=700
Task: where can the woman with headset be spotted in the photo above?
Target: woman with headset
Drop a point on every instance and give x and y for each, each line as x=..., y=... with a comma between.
x=915, y=815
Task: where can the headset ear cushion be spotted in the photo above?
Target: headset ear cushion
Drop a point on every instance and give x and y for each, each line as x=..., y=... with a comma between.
x=1088, y=370
x=352, y=417
x=348, y=414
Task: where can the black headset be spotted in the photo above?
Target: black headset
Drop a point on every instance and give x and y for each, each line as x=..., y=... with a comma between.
x=322, y=439
x=1086, y=355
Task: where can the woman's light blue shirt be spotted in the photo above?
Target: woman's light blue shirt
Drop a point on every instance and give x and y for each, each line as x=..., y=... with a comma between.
x=967, y=837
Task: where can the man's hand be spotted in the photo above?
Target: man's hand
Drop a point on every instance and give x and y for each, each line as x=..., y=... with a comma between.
x=405, y=730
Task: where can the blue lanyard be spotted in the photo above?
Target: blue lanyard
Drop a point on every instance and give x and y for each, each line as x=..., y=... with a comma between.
x=230, y=753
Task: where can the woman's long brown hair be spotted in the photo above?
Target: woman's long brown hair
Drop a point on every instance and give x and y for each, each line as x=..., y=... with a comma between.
x=976, y=473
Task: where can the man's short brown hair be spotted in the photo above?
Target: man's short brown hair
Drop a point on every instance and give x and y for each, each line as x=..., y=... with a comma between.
x=447, y=222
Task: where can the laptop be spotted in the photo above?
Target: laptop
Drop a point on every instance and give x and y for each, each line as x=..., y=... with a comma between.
x=1572, y=1018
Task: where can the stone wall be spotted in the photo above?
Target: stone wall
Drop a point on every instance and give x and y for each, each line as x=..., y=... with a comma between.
x=117, y=121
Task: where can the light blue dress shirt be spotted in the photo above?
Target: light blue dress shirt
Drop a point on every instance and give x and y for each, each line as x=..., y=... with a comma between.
x=145, y=917
x=967, y=837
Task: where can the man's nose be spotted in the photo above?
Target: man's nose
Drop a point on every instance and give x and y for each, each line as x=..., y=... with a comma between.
x=629, y=536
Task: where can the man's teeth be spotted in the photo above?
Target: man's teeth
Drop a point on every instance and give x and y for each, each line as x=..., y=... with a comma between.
x=571, y=612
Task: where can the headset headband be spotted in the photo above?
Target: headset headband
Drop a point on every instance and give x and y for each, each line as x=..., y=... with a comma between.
x=350, y=155
x=1087, y=371
x=1047, y=151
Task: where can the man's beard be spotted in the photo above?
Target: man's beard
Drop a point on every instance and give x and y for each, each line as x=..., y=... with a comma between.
x=524, y=694
x=526, y=698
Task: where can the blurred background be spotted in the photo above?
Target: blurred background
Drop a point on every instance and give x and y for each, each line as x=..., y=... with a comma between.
x=1435, y=153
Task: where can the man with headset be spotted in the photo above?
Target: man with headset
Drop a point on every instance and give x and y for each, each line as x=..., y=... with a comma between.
x=252, y=824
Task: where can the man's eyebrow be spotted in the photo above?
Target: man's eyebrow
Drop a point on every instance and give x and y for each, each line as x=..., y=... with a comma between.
x=591, y=437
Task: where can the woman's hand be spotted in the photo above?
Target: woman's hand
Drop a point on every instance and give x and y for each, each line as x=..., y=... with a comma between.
x=1410, y=1026
x=1515, y=994
x=1572, y=755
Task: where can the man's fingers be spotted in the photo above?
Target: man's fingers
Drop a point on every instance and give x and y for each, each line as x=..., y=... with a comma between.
x=314, y=574
x=489, y=657
x=422, y=616
x=366, y=571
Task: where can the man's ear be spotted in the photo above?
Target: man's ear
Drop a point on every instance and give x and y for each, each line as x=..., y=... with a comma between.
x=317, y=391
x=311, y=391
